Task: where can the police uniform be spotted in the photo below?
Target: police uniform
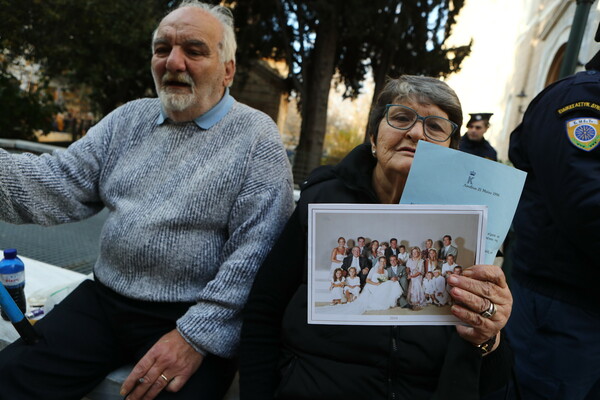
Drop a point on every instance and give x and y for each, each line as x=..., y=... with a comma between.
x=481, y=148
x=554, y=327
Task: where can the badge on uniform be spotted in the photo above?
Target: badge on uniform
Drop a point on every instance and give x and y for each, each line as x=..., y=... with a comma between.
x=583, y=133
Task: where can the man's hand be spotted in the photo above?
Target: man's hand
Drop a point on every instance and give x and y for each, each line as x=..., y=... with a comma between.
x=166, y=366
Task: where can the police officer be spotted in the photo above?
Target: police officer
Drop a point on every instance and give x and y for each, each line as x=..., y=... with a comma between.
x=554, y=328
x=473, y=142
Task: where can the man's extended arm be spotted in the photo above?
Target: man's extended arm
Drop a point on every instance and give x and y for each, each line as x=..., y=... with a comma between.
x=57, y=188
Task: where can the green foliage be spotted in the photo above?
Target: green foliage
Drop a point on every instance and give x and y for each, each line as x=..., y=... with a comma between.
x=391, y=37
x=386, y=37
x=23, y=111
x=338, y=143
x=409, y=38
x=103, y=44
x=401, y=37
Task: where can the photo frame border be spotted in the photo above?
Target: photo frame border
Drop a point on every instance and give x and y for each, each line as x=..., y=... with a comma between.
x=337, y=319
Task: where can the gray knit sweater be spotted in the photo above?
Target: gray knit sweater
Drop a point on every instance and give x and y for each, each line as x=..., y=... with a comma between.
x=192, y=212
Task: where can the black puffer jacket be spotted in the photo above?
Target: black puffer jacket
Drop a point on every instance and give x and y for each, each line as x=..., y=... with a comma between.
x=283, y=357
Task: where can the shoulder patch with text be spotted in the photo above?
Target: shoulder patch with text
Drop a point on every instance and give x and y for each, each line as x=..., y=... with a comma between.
x=583, y=132
x=579, y=105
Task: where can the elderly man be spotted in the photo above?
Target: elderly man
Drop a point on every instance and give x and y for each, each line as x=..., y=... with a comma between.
x=196, y=184
x=359, y=262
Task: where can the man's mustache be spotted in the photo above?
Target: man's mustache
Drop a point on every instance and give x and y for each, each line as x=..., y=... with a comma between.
x=181, y=77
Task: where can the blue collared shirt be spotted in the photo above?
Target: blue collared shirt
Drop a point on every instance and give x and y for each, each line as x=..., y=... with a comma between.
x=209, y=118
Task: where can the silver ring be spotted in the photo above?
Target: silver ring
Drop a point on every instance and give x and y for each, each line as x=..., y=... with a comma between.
x=489, y=313
x=164, y=377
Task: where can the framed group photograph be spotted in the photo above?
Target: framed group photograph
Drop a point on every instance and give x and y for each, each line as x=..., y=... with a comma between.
x=374, y=264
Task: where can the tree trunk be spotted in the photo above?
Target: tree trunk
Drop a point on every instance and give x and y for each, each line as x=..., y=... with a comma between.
x=380, y=70
x=380, y=77
x=317, y=83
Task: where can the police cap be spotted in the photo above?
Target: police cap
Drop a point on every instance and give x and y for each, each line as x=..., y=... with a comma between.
x=479, y=117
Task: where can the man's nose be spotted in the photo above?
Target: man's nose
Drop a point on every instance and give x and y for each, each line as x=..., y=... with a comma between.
x=176, y=60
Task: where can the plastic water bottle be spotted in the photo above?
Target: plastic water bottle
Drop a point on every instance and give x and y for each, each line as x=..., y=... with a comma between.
x=12, y=276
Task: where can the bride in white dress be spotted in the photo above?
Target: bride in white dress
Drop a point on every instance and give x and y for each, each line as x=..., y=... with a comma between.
x=379, y=293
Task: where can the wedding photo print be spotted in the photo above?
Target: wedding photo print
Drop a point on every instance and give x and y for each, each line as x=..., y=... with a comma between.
x=387, y=264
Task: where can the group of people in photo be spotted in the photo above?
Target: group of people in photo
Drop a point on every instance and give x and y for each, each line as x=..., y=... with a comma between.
x=384, y=275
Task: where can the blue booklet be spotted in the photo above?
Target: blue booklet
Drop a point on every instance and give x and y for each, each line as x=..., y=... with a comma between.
x=440, y=175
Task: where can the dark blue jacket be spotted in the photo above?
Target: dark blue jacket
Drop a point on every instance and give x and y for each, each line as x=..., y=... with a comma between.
x=482, y=148
x=557, y=223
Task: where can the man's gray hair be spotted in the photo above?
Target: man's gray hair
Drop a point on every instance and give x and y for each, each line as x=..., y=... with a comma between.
x=419, y=89
x=224, y=15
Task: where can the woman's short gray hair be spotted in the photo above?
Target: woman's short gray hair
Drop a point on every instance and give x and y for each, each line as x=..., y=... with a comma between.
x=418, y=89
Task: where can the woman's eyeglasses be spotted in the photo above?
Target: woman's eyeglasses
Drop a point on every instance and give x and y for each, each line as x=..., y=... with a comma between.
x=436, y=128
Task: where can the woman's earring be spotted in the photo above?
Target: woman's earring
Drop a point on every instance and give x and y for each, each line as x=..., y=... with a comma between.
x=373, y=151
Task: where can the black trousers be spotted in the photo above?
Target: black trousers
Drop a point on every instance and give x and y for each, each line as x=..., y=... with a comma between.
x=92, y=332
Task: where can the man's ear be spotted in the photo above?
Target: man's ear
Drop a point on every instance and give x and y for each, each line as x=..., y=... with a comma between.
x=229, y=73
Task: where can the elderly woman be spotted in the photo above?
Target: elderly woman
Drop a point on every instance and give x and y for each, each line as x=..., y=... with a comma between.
x=283, y=357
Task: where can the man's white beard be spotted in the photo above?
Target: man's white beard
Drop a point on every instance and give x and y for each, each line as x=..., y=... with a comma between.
x=176, y=101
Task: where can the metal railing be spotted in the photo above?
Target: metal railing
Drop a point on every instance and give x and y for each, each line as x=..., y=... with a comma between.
x=24, y=145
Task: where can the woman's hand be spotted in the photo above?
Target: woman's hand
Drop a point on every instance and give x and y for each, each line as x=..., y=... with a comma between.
x=473, y=292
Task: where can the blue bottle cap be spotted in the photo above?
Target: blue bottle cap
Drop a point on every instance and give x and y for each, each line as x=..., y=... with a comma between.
x=10, y=253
